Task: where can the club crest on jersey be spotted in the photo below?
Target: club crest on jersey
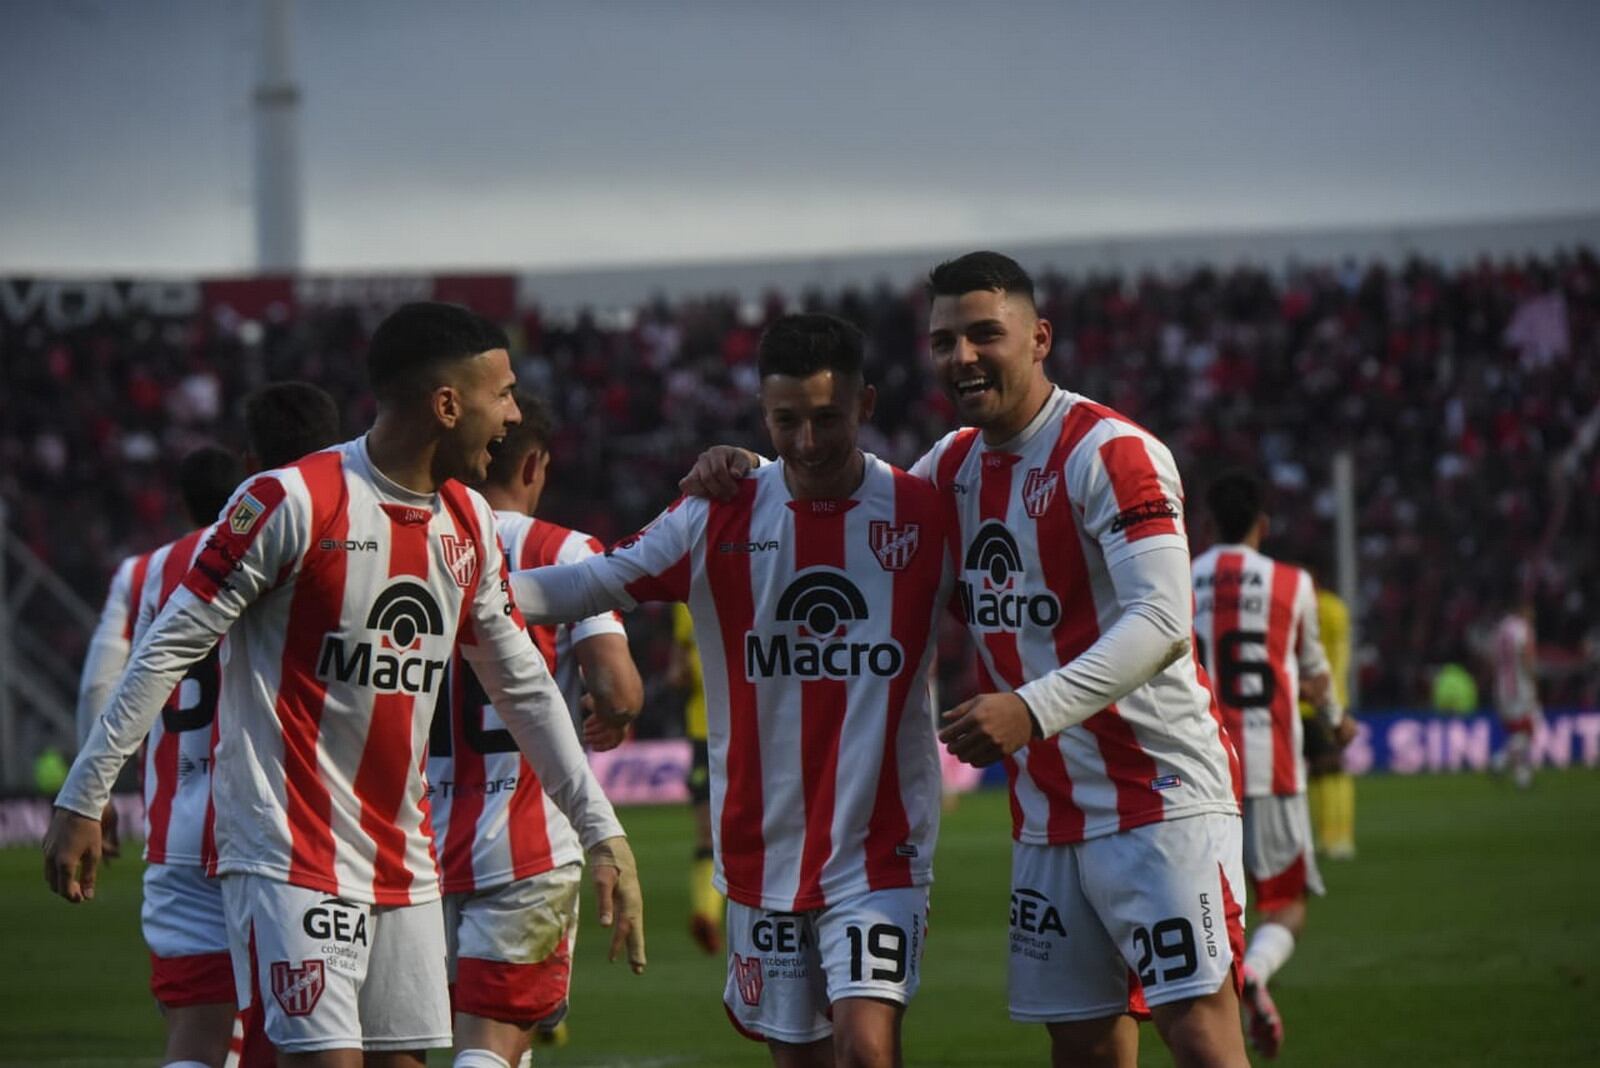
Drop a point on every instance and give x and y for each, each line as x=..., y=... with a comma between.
x=298, y=989
x=747, y=976
x=893, y=546
x=1038, y=490
x=461, y=555
x=819, y=605
x=245, y=514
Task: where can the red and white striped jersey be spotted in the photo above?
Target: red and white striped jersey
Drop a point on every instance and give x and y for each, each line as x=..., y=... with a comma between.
x=815, y=624
x=492, y=822
x=1516, y=694
x=178, y=816
x=343, y=596
x=1256, y=619
x=108, y=646
x=1043, y=520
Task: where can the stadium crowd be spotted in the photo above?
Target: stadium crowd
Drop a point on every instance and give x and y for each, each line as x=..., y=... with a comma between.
x=1469, y=397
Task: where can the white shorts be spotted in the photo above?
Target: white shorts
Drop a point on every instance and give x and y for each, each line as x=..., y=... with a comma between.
x=510, y=946
x=1278, y=854
x=333, y=974
x=785, y=969
x=187, y=933
x=1120, y=923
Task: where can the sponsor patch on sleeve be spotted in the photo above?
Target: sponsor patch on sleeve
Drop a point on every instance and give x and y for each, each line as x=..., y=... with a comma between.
x=245, y=514
x=1154, y=510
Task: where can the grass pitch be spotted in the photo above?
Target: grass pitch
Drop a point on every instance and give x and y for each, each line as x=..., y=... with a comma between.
x=1466, y=933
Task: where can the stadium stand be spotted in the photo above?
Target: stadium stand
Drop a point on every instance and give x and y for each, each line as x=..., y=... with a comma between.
x=1470, y=398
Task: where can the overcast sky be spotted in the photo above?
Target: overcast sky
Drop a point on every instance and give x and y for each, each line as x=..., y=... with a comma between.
x=540, y=134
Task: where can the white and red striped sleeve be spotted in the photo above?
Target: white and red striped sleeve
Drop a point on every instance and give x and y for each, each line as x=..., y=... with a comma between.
x=1127, y=490
x=494, y=641
x=576, y=548
x=652, y=565
x=109, y=645
x=248, y=552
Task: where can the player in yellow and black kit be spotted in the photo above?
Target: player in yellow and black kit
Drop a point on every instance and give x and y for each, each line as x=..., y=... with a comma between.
x=705, y=902
x=1330, y=789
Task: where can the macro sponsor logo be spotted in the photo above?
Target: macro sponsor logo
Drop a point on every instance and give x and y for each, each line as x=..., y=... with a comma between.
x=401, y=615
x=820, y=605
x=990, y=597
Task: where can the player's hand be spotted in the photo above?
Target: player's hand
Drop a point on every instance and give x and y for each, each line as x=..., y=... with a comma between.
x=616, y=884
x=110, y=832
x=988, y=727
x=71, y=854
x=600, y=736
x=716, y=473
x=1346, y=731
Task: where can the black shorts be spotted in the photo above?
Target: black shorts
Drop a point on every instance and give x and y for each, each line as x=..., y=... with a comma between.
x=699, y=778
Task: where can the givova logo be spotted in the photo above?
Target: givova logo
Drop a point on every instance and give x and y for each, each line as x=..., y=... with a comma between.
x=400, y=616
x=819, y=606
x=988, y=598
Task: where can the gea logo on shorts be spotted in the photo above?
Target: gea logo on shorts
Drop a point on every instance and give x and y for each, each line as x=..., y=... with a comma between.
x=821, y=603
x=401, y=615
x=786, y=934
x=1032, y=912
x=986, y=597
x=337, y=921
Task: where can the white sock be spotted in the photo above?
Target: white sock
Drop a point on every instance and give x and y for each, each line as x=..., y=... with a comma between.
x=1269, y=949
x=186, y=1064
x=478, y=1058
x=527, y=1059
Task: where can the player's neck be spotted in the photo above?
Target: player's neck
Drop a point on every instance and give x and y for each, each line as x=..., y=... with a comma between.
x=834, y=487
x=507, y=498
x=402, y=458
x=1020, y=418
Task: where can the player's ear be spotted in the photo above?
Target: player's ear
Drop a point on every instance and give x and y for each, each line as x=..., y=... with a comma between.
x=446, y=405
x=1043, y=334
x=530, y=466
x=869, y=401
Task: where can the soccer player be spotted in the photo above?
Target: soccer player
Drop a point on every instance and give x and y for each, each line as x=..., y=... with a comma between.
x=182, y=917
x=1330, y=790
x=510, y=863
x=1516, y=692
x=814, y=594
x=1074, y=582
x=706, y=903
x=344, y=582
x=1256, y=619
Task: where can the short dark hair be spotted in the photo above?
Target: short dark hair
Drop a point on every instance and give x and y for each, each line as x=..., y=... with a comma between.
x=284, y=421
x=803, y=344
x=409, y=347
x=991, y=271
x=1235, y=500
x=534, y=432
x=207, y=477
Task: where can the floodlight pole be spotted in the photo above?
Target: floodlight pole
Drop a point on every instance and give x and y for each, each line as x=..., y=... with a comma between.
x=277, y=129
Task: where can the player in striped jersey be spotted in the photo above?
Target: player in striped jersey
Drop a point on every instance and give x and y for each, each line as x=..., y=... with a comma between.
x=510, y=863
x=1256, y=620
x=182, y=917
x=814, y=594
x=1074, y=582
x=1516, y=691
x=344, y=582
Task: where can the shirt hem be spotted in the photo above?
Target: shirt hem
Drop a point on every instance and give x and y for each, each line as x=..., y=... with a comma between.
x=420, y=892
x=1103, y=828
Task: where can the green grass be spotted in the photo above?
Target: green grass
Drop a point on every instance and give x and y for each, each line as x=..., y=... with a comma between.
x=1467, y=933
